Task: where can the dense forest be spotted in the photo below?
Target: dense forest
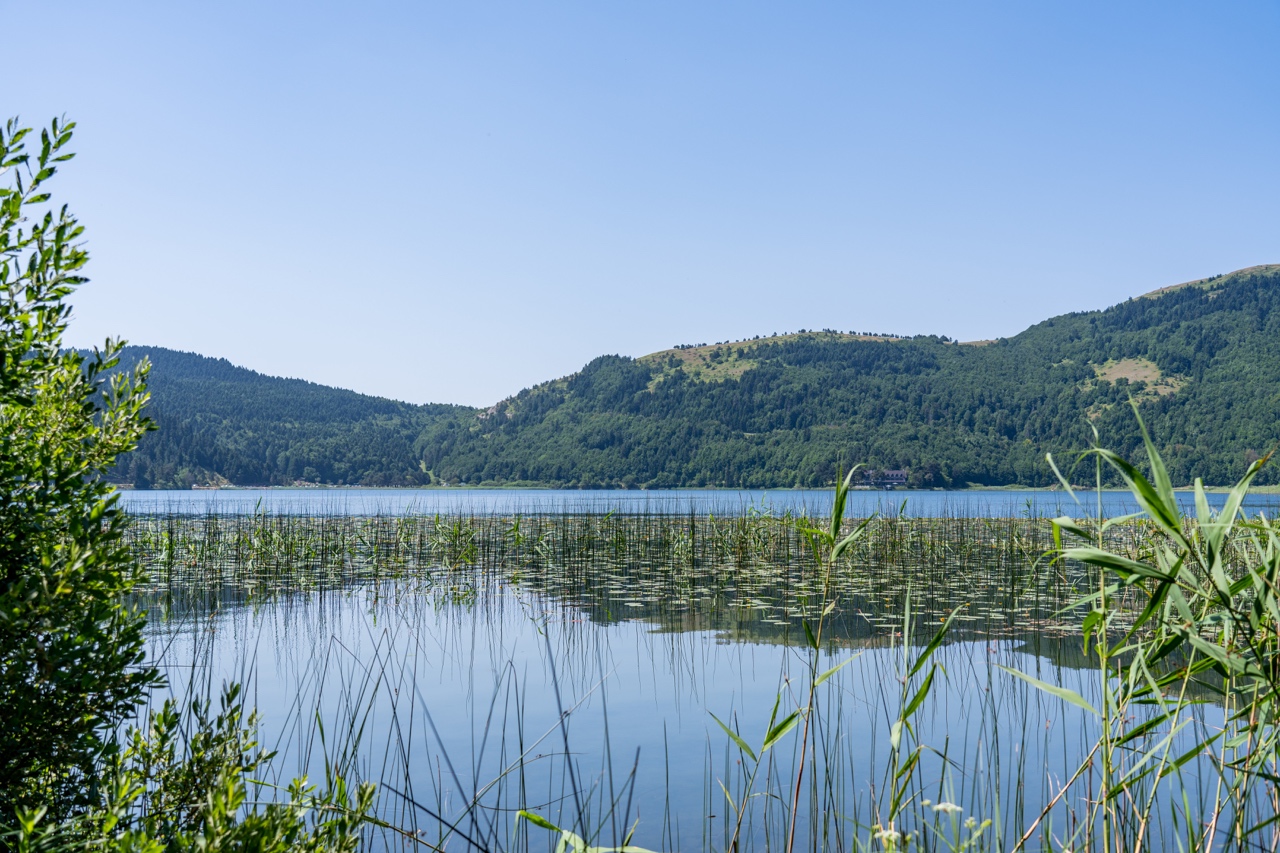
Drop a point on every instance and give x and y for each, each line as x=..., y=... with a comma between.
x=218, y=424
x=1202, y=360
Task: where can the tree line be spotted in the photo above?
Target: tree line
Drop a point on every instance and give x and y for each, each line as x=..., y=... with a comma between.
x=1202, y=359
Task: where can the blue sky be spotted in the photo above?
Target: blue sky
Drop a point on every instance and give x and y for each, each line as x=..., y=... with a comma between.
x=449, y=202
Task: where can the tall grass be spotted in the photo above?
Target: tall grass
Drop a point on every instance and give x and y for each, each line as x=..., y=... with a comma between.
x=904, y=715
x=685, y=570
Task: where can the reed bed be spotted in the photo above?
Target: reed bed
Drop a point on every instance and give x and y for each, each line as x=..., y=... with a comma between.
x=682, y=571
x=614, y=565
x=894, y=743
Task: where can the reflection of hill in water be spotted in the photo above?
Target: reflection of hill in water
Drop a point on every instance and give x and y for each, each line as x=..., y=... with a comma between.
x=1058, y=639
x=1029, y=623
x=748, y=578
x=767, y=607
x=770, y=602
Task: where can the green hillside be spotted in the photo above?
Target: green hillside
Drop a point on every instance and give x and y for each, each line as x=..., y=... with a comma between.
x=218, y=423
x=1202, y=359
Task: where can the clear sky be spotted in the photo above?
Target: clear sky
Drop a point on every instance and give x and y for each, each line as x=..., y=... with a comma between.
x=449, y=202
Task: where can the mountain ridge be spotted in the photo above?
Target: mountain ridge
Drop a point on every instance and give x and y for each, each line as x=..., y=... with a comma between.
x=786, y=410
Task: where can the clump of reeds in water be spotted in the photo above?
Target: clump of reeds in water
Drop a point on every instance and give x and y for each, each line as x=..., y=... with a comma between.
x=750, y=573
x=1178, y=618
x=682, y=570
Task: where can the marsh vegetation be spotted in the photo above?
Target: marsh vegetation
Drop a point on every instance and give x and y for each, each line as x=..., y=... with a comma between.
x=750, y=681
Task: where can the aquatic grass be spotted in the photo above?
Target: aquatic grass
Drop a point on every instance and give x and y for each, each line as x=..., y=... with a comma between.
x=676, y=568
x=340, y=681
x=812, y=777
x=1210, y=618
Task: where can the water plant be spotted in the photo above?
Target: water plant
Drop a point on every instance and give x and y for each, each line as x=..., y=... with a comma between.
x=1208, y=617
x=936, y=621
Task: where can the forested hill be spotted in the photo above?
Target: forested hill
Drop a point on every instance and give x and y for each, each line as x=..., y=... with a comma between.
x=219, y=423
x=1202, y=359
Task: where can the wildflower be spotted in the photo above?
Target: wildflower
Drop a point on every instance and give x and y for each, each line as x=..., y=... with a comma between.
x=970, y=822
x=947, y=808
x=888, y=837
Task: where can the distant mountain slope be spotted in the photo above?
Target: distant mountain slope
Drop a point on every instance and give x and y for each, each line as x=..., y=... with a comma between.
x=222, y=423
x=1203, y=360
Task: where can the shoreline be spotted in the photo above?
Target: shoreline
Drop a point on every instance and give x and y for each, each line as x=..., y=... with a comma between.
x=128, y=487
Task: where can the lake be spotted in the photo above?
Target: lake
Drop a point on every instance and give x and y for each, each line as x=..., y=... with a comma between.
x=974, y=503
x=581, y=665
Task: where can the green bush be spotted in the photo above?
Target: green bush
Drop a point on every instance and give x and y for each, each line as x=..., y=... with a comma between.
x=72, y=663
x=71, y=653
x=186, y=783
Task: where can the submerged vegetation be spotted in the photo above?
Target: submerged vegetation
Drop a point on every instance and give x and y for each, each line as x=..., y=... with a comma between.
x=748, y=573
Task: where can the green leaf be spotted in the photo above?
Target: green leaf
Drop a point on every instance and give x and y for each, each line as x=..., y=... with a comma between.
x=538, y=820
x=1239, y=740
x=1069, y=696
x=571, y=840
x=837, y=506
x=1147, y=496
x=784, y=725
x=1142, y=729
x=920, y=696
x=808, y=635
x=1219, y=655
x=742, y=744
x=907, y=766
x=1191, y=753
x=850, y=539
x=1203, y=514
x=729, y=799
x=1218, y=532
x=1064, y=522
x=1143, y=766
x=1061, y=479
x=1154, y=605
x=1120, y=519
x=900, y=790
x=1164, y=486
x=1123, y=566
x=935, y=642
x=821, y=678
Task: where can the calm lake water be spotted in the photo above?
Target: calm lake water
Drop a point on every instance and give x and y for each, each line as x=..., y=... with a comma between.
x=576, y=666
x=991, y=504
x=448, y=695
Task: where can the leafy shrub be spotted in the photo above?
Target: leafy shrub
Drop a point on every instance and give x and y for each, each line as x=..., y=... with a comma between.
x=70, y=650
x=72, y=668
x=186, y=783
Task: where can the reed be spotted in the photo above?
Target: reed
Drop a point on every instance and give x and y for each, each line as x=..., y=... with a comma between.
x=873, y=739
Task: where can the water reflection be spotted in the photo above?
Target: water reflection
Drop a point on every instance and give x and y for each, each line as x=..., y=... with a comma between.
x=585, y=692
